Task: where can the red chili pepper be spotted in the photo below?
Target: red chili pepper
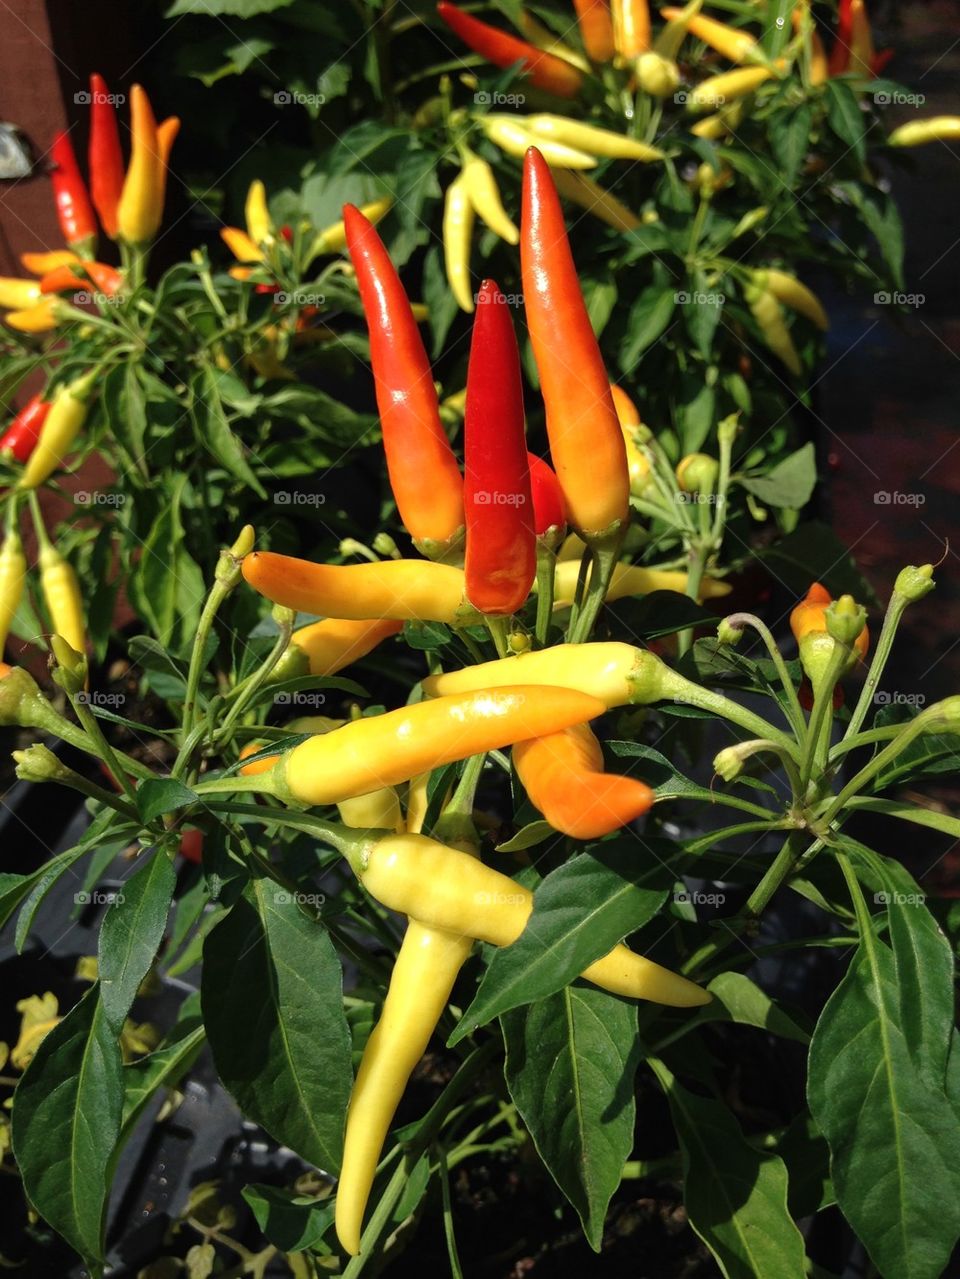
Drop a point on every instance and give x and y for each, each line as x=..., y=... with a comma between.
x=62, y=279
x=545, y=70
x=287, y=233
x=548, y=509
x=21, y=435
x=105, y=158
x=423, y=471
x=501, y=554
x=191, y=845
x=74, y=210
x=586, y=442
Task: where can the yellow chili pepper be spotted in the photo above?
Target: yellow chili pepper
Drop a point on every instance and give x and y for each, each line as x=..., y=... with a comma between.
x=939, y=128
x=484, y=195
x=657, y=75
x=333, y=239
x=787, y=289
x=62, y=597
x=140, y=209
x=633, y=579
x=452, y=890
x=18, y=294
x=542, y=37
x=384, y=750
x=730, y=41
x=41, y=263
x=67, y=415
x=457, y=231
x=637, y=464
x=720, y=125
x=768, y=313
x=726, y=87
x=511, y=137
x=588, y=138
x=402, y=589
x=13, y=575
x=336, y=642
x=256, y=214
x=240, y=245
x=631, y=27
x=380, y=810
x=41, y=318
x=583, y=191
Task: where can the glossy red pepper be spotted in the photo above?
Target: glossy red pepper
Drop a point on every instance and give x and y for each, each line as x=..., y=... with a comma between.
x=853, y=48
x=423, y=471
x=105, y=158
x=545, y=70
x=548, y=509
x=78, y=223
x=501, y=554
x=586, y=442
x=20, y=437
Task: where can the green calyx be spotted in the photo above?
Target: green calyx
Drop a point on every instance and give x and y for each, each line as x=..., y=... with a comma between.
x=39, y=764
x=71, y=669
x=914, y=583
x=845, y=619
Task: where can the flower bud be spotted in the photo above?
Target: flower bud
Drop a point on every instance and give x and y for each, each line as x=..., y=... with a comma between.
x=656, y=75
x=914, y=583
x=729, y=633
x=39, y=764
x=845, y=619
x=71, y=669
x=384, y=544
x=697, y=473
x=728, y=763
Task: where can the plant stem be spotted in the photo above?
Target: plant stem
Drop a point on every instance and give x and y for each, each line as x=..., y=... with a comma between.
x=794, y=713
x=546, y=564
x=888, y=632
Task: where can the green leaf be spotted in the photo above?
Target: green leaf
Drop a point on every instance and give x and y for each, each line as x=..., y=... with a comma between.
x=66, y=1120
x=233, y=8
x=581, y=910
x=790, y=139
x=649, y=316
x=161, y=1068
x=845, y=117
x=289, y=1221
x=736, y=998
x=893, y=1135
x=879, y=211
x=131, y=933
x=570, y=1064
x=735, y=1196
x=660, y=613
x=273, y=1008
x=790, y=483
x=668, y=783
x=214, y=430
x=701, y=307
x=813, y=552
x=532, y=834
x=158, y=795
x=694, y=410
x=807, y=1156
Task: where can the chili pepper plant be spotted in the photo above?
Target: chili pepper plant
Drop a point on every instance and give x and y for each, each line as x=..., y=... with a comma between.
x=503, y=856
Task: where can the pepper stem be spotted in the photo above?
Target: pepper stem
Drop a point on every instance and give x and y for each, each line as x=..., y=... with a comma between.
x=604, y=550
x=546, y=569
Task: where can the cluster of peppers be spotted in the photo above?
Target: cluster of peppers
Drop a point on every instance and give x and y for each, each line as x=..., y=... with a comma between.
x=128, y=200
x=486, y=535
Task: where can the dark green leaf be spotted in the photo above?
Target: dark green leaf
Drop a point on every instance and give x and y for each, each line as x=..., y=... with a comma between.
x=790, y=139
x=649, y=316
x=735, y=1196
x=158, y=795
x=736, y=998
x=570, y=1064
x=790, y=483
x=132, y=930
x=66, y=1120
x=289, y=1221
x=845, y=117
x=273, y=1008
